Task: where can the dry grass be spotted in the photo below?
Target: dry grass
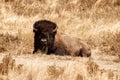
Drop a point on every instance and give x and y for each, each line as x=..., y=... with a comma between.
x=95, y=21
x=8, y=66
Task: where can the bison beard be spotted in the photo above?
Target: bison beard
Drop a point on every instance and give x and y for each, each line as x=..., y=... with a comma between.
x=44, y=36
x=67, y=45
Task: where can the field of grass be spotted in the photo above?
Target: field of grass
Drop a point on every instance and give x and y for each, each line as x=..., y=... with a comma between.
x=97, y=22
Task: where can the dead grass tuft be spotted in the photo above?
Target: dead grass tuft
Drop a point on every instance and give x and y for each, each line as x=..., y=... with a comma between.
x=54, y=72
x=6, y=42
x=79, y=77
x=92, y=68
x=8, y=64
x=107, y=39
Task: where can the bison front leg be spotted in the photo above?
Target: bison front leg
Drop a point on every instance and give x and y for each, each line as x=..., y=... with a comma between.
x=51, y=50
x=36, y=43
x=35, y=49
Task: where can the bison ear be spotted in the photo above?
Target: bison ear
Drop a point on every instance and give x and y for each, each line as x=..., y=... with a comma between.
x=54, y=30
x=35, y=30
x=34, y=27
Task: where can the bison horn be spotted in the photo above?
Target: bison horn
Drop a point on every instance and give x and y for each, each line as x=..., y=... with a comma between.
x=34, y=29
x=54, y=30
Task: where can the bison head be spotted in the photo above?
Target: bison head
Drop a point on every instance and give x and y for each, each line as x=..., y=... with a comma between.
x=45, y=32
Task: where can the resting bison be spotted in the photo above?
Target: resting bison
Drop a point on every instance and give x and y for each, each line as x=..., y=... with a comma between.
x=67, y=45
x=44, y=36
x=48, y=41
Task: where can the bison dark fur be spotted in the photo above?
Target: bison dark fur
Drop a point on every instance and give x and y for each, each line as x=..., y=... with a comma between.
x=44, y=36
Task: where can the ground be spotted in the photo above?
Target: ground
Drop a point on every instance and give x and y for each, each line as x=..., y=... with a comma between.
x=96, y=22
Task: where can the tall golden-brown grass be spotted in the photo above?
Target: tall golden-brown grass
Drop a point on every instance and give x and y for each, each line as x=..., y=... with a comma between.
x=97, y=22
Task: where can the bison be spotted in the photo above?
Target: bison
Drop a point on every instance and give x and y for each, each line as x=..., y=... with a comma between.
x=67, y=45
x=44, y=36
x=48, y=40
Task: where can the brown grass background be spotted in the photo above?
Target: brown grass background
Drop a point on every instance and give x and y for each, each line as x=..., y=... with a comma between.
x=97, y=22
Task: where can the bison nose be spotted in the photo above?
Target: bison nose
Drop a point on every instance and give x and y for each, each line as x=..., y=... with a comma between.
x=44, y=40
